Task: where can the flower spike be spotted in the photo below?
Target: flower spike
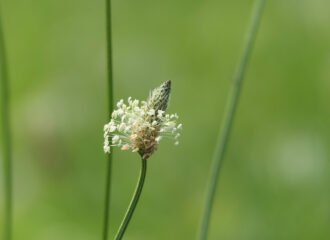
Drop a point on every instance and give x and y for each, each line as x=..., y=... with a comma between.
x=140, y=126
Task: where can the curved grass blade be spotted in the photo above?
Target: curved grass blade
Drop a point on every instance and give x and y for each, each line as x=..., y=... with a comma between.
x=224, y=133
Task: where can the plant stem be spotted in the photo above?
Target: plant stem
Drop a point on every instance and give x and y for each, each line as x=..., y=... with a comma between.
x=110, y=108
x=134, y=201
x=6, y=139
x=224, y=133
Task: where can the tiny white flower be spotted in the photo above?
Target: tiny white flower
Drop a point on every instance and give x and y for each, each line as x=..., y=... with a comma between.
x=135, y=102
x=151, y=112
x=121, y=127
x=106, y=127
x=112, y=128
x=170, y=124
x=120, y=112
x=114, y=114
x=115, y=138
x=120, y=103
x=127, y=128
x=160, y=113
x=106, y=149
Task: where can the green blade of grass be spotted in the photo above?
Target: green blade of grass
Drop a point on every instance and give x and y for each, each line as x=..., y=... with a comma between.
x=110, y=108
x=6, y=139
x=224, y=133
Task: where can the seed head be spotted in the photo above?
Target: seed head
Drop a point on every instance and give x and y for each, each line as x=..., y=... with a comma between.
x=139, y=126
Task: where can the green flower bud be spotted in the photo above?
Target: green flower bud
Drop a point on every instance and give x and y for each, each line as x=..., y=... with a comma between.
x=158, y=99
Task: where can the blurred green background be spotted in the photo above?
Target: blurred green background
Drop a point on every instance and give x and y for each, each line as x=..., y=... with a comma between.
x=275, y=180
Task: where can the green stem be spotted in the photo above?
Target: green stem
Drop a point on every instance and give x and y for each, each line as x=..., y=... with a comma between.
x=110, y=108
x=224, y=133
x=134, y=201
x=6, y=139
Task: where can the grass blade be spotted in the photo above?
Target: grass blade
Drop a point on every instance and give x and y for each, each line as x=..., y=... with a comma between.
x=224, y=133
x=110, y=108
x=6, y=138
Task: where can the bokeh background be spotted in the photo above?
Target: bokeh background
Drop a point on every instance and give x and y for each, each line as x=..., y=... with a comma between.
x=275, y=180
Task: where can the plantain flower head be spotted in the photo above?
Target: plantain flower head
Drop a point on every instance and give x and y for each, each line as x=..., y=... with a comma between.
x=140, y=126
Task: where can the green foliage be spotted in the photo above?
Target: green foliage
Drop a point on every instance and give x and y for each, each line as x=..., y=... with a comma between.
x=275, y=184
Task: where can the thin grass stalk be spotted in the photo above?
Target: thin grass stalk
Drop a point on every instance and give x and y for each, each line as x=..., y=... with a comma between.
x=110, y=108
x=6, y=138
x=134, y=201
x=224, y=132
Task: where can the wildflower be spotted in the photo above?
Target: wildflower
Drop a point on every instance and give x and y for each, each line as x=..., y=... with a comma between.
x=140, y=126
